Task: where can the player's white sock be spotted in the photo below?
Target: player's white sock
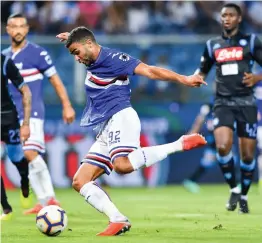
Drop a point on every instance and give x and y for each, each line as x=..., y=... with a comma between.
x=151, y=155
x=35, y=182
x=42, y=177
x=244, y=197
x=98, y=198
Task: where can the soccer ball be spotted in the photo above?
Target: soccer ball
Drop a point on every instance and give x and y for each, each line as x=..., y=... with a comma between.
x=51, y=220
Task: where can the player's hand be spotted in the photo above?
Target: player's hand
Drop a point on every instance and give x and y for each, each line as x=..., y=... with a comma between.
x=249, y=79
x=63, y=36
x=24, y=132
x=194, y=80
x=68, y=114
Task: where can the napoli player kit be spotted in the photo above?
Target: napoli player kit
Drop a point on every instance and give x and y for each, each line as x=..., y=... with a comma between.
x=108, y=107
x=33, y=63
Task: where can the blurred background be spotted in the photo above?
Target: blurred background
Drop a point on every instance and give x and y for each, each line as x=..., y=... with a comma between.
x=169, y=34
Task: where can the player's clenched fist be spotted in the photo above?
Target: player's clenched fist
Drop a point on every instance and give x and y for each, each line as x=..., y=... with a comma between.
x=194, y=80
x=68, y=114
x=63, y=36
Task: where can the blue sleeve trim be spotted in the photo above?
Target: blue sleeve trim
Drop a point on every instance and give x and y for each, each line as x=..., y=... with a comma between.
x=21, y=85
x=209, y=49
x=252, y=43
x=5, y=65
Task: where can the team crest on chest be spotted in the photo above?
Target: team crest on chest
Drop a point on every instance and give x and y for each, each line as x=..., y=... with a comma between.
x=243, y=42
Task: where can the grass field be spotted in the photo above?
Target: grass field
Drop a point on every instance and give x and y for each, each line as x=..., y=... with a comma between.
x=167, y=214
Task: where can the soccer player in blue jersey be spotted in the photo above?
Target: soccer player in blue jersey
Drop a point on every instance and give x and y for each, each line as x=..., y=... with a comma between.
x=108, y=107
x=34, y=63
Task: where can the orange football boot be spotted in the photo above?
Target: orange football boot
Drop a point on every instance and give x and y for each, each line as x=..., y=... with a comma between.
x=34, y=210
x=116, y=228
x=193, y=141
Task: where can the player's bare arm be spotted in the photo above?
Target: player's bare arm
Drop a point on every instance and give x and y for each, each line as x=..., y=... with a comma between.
x=158, y=73
x=27, y=100
x=68, y=111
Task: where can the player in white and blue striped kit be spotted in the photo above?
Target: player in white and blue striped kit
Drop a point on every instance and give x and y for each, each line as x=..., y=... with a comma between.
x=34, y=62
x=108, y=107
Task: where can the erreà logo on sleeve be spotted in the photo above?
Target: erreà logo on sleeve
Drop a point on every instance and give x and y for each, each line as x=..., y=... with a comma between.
x=229, y=54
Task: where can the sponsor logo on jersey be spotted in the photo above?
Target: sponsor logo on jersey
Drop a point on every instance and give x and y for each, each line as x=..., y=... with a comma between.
x=229, y=54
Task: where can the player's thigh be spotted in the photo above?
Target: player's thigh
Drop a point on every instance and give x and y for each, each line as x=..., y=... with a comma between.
x=247, y=122
x=223, y=127
x=247, y=132
x=86, y=172
x=35, y=144
x=123, y=133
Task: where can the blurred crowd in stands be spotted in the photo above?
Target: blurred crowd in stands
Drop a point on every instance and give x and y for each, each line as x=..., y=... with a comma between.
x=113, y=17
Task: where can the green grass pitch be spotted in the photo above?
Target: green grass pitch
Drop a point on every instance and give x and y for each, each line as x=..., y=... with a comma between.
x=164, y=214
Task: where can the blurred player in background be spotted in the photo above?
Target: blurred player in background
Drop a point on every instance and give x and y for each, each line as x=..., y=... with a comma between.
x=11, y=132
x=109, y=108
x=258, y=94
x=33, y=63
x=204, y=118
x=209, y=155
x=234, y=54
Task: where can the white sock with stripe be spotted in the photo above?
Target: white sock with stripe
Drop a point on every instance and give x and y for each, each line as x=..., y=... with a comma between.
x=99, y=199
x=145, y=157
x=40, y=178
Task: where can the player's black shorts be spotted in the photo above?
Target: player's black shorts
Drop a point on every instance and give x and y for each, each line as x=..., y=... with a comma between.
x=10, y=128
x=241, y=118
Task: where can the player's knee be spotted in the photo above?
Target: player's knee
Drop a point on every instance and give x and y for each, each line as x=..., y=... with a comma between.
x=247, y=158
x=77, y=183
x=223, y=149
x=30, y=154
x=122, y=165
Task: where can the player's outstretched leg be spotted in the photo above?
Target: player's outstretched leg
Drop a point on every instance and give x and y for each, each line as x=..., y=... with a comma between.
x=145, y=157
x=83, y=183
x=7, y=209
x=41, y=182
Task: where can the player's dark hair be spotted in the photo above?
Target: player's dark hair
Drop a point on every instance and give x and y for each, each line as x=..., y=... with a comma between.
x=16, y=15
x=80, y=34
x=235, y=6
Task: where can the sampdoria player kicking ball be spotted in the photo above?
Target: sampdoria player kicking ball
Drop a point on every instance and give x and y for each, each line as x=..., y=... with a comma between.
x=109, y=108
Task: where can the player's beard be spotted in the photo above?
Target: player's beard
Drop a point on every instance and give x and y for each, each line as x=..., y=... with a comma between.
x=18, y=42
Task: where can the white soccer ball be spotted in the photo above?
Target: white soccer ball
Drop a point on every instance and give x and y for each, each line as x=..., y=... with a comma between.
x=51, y=220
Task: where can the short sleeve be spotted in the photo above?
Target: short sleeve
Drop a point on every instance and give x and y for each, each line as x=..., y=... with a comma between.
x=13, y=74
x=124, y=64
x=207, y=60
x=45, y=63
